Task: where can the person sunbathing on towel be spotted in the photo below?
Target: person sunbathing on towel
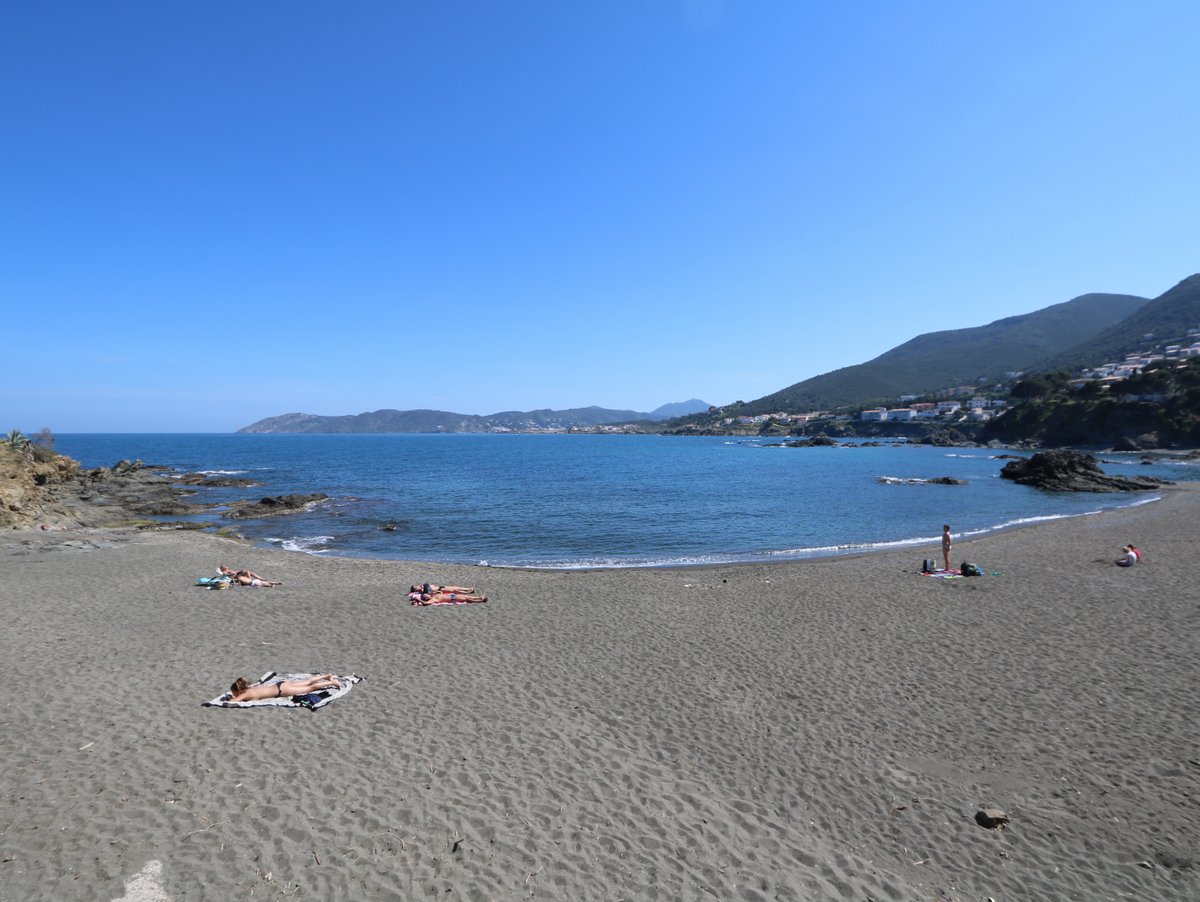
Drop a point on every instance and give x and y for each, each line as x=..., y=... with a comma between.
x=241, y=691
x=430, y=590
x=444, y=597
x=248, y=578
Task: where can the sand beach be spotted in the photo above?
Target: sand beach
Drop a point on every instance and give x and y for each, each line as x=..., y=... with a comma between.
x=808, y=730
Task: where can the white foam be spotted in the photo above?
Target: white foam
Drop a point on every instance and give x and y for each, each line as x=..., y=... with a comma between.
x=304, y=544
x=803, y=553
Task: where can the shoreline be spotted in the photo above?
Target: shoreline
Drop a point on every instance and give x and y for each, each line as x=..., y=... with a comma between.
x=888, y=547
x=817, y=729
x=352, y=527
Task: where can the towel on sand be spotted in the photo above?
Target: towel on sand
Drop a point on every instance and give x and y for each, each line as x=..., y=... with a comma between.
x=944, y=574
x=311, y=701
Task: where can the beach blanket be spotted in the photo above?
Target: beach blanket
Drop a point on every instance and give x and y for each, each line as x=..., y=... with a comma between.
x=944, y=574
x=955, y=574
x=312, y=701
x=214, y=582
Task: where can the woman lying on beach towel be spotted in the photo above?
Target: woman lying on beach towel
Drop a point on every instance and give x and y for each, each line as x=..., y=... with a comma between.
x=241, y=691
x=286, y=690
x=431, y=590
x=445, y=596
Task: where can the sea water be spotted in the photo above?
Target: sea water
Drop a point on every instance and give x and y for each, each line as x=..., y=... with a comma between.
x=578, y=501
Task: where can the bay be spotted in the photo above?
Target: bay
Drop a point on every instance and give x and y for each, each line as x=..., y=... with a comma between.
x=578, y=501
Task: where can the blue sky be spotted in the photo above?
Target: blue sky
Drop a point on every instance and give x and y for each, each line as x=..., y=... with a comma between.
x=218, y=212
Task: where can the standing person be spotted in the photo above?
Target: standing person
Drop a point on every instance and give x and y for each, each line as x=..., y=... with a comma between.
x=946, y=545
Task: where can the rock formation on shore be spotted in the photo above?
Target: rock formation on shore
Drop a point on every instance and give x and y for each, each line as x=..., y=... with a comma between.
x=1073, y=471
x=53, y=489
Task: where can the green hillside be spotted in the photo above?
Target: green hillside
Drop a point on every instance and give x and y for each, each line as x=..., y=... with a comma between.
x=938, y=360
x=1163, y=319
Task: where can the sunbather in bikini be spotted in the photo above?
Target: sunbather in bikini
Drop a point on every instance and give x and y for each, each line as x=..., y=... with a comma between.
x=445, y=597
x=429, y=589
x=241, y=691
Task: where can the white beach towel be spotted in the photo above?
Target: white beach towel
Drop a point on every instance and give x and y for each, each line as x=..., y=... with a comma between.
x=312, y=701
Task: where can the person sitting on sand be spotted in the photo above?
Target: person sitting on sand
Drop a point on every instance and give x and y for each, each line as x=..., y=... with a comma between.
x=241, y=691
x=1131, y=556
x=445, y=597
x=432, y=590
x=248, y=578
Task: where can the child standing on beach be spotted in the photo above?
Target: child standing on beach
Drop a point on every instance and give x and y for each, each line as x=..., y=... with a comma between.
x=946, y=545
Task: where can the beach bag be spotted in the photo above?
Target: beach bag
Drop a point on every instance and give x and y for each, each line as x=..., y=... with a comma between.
x=926, y=566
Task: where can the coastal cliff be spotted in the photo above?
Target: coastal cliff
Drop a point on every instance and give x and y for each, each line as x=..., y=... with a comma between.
x=53, y=490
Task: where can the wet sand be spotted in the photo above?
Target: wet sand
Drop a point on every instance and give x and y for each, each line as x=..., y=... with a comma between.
x=809, y=730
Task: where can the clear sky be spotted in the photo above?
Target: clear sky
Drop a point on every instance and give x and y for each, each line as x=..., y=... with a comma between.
x=212, y=213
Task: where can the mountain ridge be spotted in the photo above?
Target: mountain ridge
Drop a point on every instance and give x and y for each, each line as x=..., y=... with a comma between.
x=1167, y=316
x=937, y=360
x=424, y=420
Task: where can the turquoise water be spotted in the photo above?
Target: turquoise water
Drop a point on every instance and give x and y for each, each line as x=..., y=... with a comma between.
x=605, y=501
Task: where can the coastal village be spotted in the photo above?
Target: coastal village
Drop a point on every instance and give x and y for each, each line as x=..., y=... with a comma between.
x=966, y=403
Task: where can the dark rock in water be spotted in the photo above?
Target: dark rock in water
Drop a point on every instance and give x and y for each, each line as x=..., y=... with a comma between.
x=1073, y=471
x=1143, y=442
x=274, y=507
x=817, y=441
x=220, y=482
x=936, y=480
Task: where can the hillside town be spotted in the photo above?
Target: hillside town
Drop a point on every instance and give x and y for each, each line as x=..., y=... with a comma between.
x=966, y=404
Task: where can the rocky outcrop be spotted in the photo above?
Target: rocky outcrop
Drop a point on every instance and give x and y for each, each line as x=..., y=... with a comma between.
x=1073, y=471
x=208, y=481
x=28, y=487
x=817, y=441
x=55, y=490
x=274, y=507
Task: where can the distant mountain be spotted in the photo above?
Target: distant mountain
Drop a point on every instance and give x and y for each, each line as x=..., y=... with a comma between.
x=938, y=360
x=678, y=409
x=1163, y=319
x=444, y=421
x=376, y=421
